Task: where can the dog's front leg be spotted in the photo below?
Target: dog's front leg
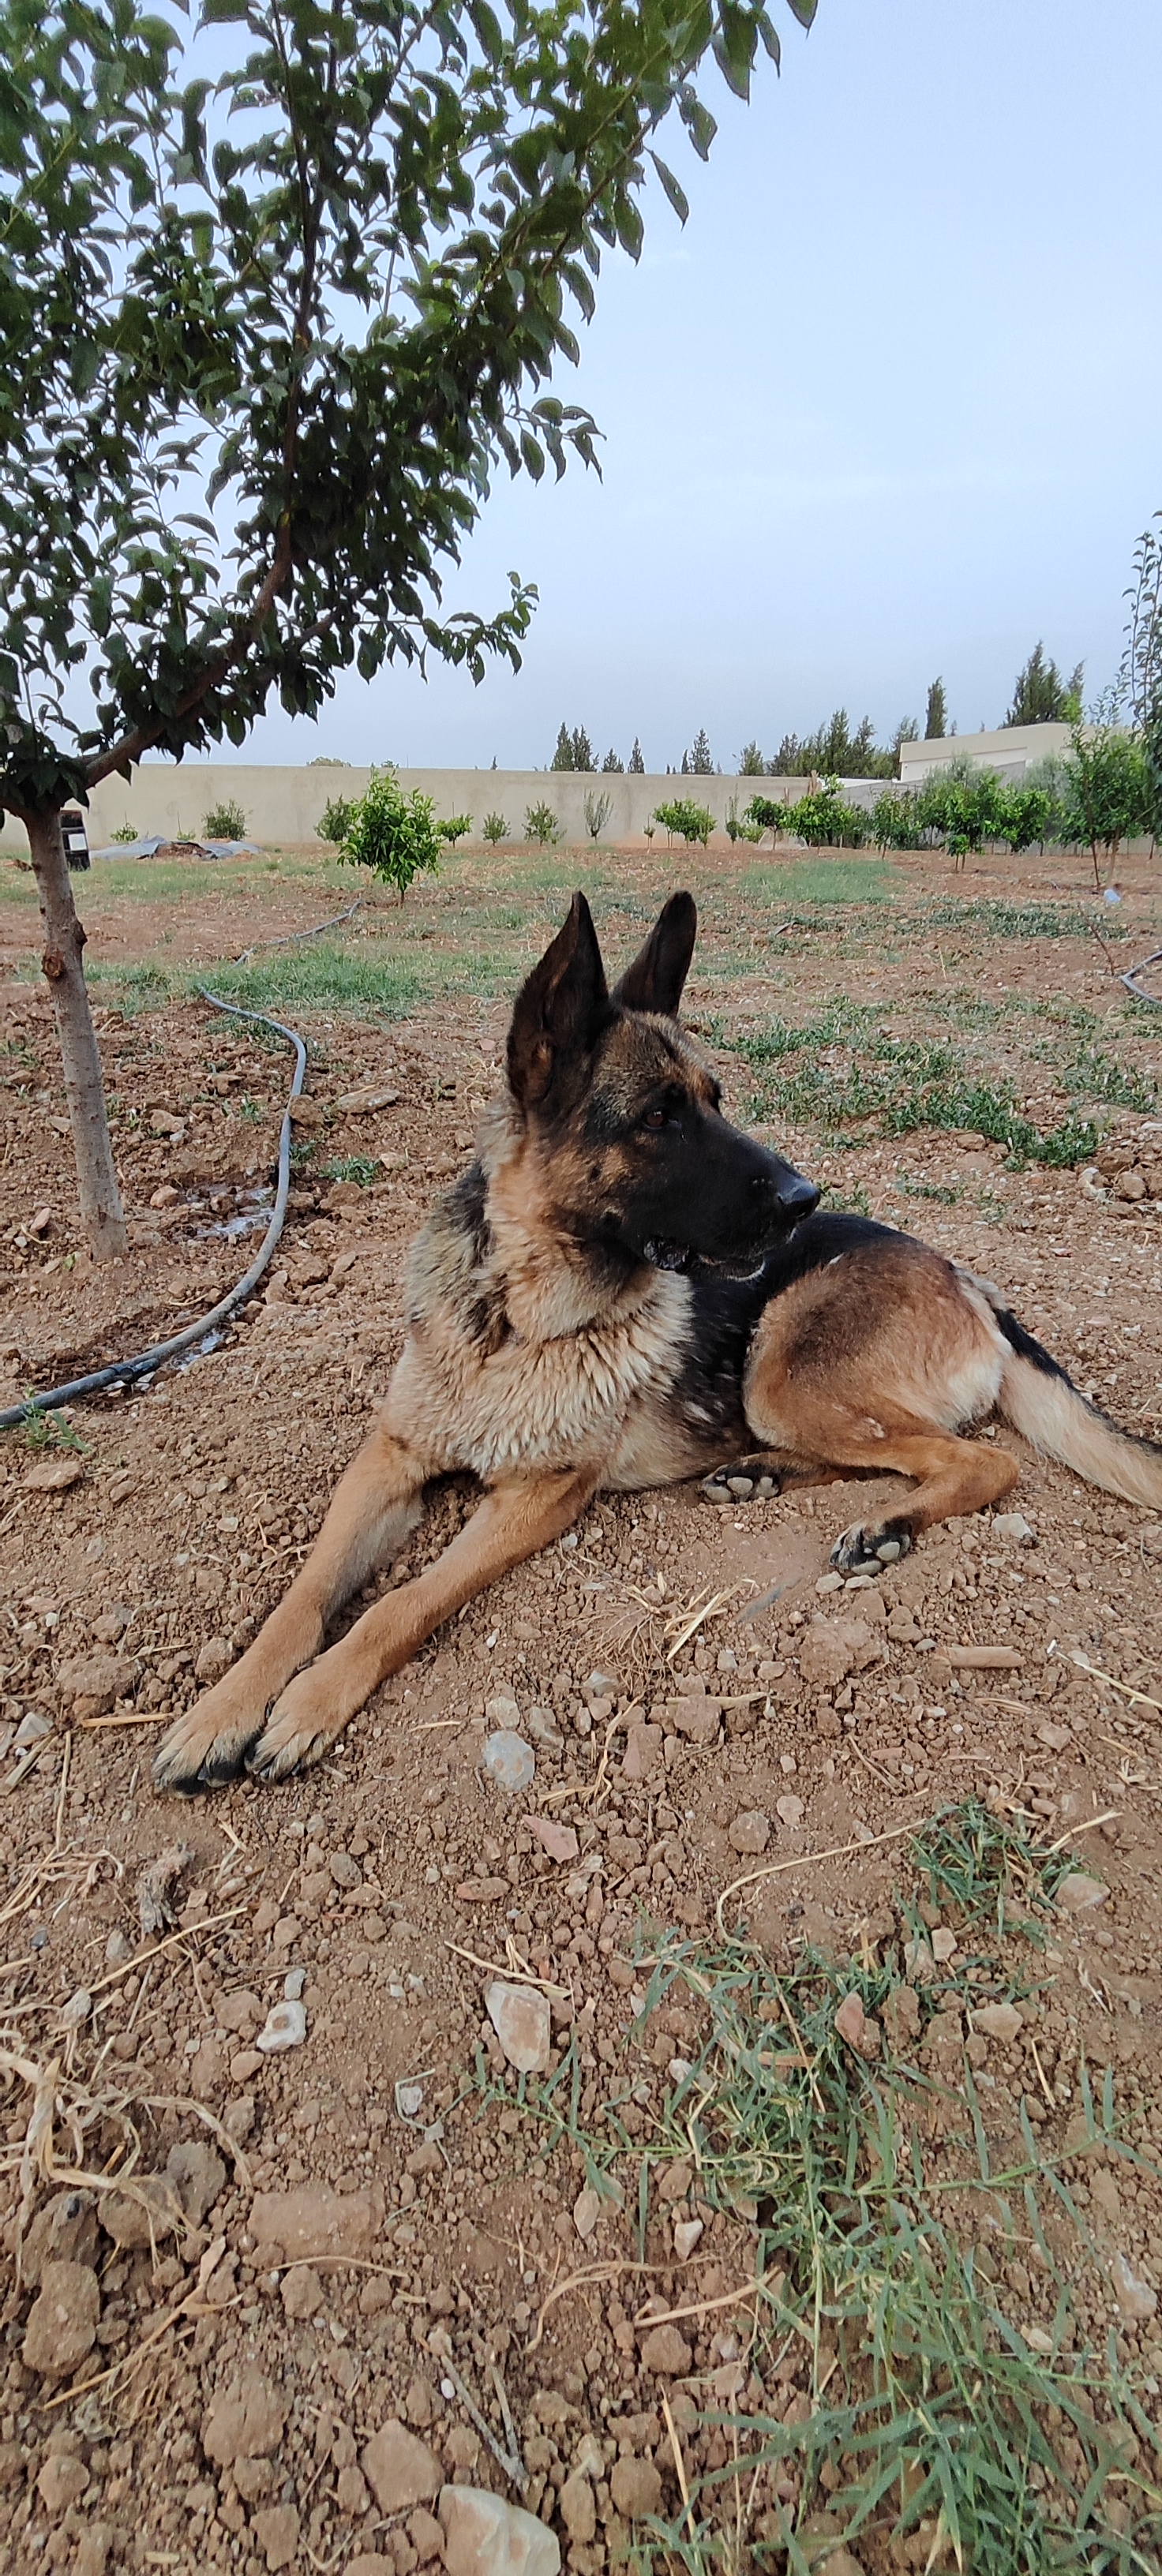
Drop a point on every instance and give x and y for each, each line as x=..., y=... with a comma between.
x=375, y=1505
x=513, y=1522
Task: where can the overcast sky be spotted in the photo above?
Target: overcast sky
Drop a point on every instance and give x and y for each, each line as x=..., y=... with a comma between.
x=887, y=407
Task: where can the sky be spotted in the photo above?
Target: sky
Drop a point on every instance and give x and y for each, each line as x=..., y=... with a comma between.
x=887, y=407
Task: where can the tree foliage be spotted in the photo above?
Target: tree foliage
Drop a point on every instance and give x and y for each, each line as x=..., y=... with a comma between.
x=1107, y=789
x=392, y=832
x=936, y=713
x=694, y=822
x=1042, y=696
x=1142, y=664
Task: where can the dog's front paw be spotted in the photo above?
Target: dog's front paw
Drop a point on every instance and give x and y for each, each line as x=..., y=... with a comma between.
x=864, y=1550
x=302, y=1725
x=740, y=1485
x=209, y=1745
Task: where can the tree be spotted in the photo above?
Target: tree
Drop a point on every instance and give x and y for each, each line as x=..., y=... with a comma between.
x=1142, y=666
x=541, y=825
x=962, y=804
x=694, y=822
x=936, y=713
x=391, y=833
x=597, y=812
x=262, y=346
x=824, y=819
x=563, y=755
x=1023, y=815
x=750, y=761
x=637, y=766
x=582, y=750
x=1107, y=787
x=613, y=765
x=1041, y=696
x=701, y=764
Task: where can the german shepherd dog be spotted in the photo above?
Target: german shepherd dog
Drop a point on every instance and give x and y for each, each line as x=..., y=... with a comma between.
x=623, y=1291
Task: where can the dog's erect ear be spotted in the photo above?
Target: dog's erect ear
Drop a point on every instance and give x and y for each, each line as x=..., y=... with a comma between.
x=655, y=979
x=560, y=1012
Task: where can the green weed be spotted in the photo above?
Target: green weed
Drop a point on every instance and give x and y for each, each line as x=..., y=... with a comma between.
x=842, y=1072
x=828, y=881
x=353, y=1167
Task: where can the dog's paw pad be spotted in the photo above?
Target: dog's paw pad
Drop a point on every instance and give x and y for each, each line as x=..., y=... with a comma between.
x=738, y=1485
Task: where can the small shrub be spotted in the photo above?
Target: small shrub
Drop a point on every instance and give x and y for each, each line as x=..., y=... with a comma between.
x=335, y=819
x=353, y=1167
x=694, y=822
x=737, y=829
x=495, y=829
x=125, y=832
x=824, y=819
x=597, y=812
x=224, y=822
x=454, y=829
x=541, y=824
x=391, y=833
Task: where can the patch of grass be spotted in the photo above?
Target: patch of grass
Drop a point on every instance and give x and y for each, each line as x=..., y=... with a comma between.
x=848, y=1200
x=842, y=1071
x=1001, y=920
x=363, y=1168
x=828, y=881
x=1092, y=1074
x=323, y=976
x=945, y=1195
x=925, y=2415
x=42, y=1429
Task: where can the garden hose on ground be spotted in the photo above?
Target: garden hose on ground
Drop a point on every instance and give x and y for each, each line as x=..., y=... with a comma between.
x=144, y=1363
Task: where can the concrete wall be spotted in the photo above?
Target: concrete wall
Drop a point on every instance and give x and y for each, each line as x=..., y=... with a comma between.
x=284, y=805
x=1010, y=750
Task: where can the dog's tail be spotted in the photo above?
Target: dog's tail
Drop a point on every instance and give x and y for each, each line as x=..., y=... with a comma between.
x=1041, y=1401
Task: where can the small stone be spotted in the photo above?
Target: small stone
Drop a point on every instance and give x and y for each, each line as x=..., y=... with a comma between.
x=64, y=2231
x=791, y=1810
x=578, y=2509
x=559, y=1841
x=1078, y=1891
x=675, y=2180
x=276, y=2530
x=900, y=2013
x=400, y=2470
x=502, y=1711
x=541, y=1725
x=686, y=2234
x=1013, y=1526
x=636, y=2487
x=419, y=2405
x=849, y=2020
x=351, y=2490
x=829, y=1583
x=1136, y=2300
x=643, y=1752
x=345, y=1870
x=1055, y=1737
x=93, y=2547
x=244, y=2423
x=117, y=1950
x=751, y=1832
x=484, y=2536
x=62, y=2482
x=135, y=2219
x=54, y=1475
x=301, y=2293
x=293, y=1983
x=97, y=1679
x=313, y=2222
x=215, y=1658
x=586, y=2211
x=197, y=2175
x=838, y=2562
x=919, y=1961
x=508, y=1761
x=207, y=2070
x=943, y=1941
x=367, y=1097
x=33, y=1728
x=665, y=2352
x=285, y=2027
x=62, y=2322
x=425, y=2535
x=520, y=2017
x=998, y=2021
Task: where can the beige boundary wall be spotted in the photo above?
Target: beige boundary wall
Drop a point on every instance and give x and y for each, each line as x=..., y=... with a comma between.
x=284, y=805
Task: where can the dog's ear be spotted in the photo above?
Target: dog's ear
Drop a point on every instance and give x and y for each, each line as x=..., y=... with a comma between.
x=560, y=1012
x=655, y=979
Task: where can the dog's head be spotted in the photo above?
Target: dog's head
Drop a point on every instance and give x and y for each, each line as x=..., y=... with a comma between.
x=640, y=1157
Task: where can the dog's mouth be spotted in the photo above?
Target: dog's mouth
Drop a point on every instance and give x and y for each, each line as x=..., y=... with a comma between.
x=664, y=1253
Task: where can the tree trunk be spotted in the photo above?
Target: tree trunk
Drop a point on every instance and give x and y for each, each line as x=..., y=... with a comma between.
x=64, y=939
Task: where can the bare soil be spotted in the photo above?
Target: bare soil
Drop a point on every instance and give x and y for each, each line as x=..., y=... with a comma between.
x=394, y=1877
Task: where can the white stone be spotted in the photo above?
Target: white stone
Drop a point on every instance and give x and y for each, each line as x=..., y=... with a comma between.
x=1136, y=2300
x=586, y=2211
x=686, y=2234
x=285, y=2027
x=508, y=1761
x=520, y=2017
x=484, y=2536
x=1013, y=1526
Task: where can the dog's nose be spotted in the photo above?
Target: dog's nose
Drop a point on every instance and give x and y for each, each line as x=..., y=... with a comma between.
x=797, y=1197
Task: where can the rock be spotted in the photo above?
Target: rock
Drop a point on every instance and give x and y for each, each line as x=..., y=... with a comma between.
x=118, y=1948
x=502, y=1711
x=62, y=2482
x=849, y=2020
x=697, y=1718
x=559, y=1841
x=578, y=2510
x=674, y=2181
x=900, y=2014
x=345, y=1870
x=367, y=1097
x=508, y=1761
x=400, y=2470
x=665, y=2352
x=984, y=1659
x=586, y=2212
x=136, y=2219
x=369, y=2563
x=285, y=2027
x=750, y=1833
x=636, y=2487
x=64, y=2231
x=1014, y=1527
x=301, y=2293
x=245, y=2423
x=1055, y=1737
x=93, y=2549
x=97, y=1679
x=1078, y=1891
x=207, y=2071
x=541, y=1725
x=686, y=2234
x=520, y=2017
x=997, y=2021
x=425, y=2535
x=276, y=2530
x=197, y=2175
x=33, y=1728
x=419, y=2405
x=643, y=1752
x=838, y=2562
x=305, y=1112
x=312, y=2222
x=943, y=1944
x=919, y=1961
x=53, y=1475
x=833, y=1648
x=1136, y=2300
x=215, y=1658
x=791, y=1810
x=62, y=2322
x=484, y=2536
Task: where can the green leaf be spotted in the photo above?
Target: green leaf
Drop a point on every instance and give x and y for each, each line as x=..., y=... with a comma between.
x=674, y=191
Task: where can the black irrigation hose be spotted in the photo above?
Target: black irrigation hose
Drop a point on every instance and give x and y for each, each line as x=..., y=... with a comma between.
x=1130, y=979
x=124, y=1371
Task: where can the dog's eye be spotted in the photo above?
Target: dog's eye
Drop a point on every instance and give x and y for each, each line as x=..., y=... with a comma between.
x=655, y=1119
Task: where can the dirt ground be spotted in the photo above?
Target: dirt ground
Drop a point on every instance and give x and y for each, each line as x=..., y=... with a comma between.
x=389, y=2224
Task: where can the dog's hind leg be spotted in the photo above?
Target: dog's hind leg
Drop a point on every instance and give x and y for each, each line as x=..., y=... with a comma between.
x=375, y=1505
x=514, y=1521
